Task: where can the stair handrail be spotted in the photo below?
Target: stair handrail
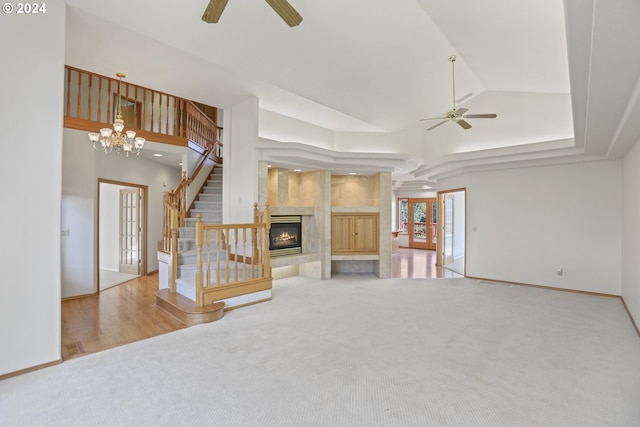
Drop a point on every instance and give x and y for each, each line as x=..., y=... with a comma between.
x=203, y=131
x=174, y=203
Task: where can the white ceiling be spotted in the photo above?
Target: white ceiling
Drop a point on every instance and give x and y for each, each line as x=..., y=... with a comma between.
x=549, y=69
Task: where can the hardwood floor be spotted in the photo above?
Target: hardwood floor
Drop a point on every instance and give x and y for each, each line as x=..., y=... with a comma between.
x=119, y=315
x=127, y=313
x=417, y=264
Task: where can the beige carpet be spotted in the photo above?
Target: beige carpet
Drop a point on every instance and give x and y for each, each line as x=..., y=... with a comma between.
x=360, y=352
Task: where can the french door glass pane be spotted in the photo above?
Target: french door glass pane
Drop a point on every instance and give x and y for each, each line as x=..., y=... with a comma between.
x=420, y=221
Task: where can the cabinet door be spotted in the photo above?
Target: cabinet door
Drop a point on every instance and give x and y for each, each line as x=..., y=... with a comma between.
x=365, y=233
x=342, y=233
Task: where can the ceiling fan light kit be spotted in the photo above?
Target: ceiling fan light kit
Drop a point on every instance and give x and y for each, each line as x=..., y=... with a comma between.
x=458, y=115
x=282, y=7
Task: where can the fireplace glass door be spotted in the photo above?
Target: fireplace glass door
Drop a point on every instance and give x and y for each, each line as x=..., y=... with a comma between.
x=285, y=236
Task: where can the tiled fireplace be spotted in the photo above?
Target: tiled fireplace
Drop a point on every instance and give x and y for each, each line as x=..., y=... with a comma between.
x=285, y=237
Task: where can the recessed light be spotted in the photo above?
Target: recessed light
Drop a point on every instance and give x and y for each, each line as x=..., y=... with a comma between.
x=353, y=173
x=297, y=170
x=157, y=155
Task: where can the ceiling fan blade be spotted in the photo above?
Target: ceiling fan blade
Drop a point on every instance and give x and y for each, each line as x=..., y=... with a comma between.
x=464, y=124
x=441, y=123
x=213, y=11
x=286, y=12
x=461, y=111
x=481, y=116
x=434, y=118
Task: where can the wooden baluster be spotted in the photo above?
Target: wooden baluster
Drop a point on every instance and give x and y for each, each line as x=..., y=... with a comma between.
x=178, y=118
x=135, y=108
x=255, y=244
x=166, y=129
x=199, y=130
x=244, y=251
x=218, y=247
x=165, y=220
x=68, y=109
x=176, y=111
x=78, y=109
x=143, y=113
x=153, y=106
x=109, y=109
x=265, y=246
x=188, y=128
x=99, y=118
x=160, y=112
x=193, y=126
x=235, y=249
x=183, y=202
x=185, y=117
x=89, y=97
x=124, y=96
x=228, y=249
x=199, y=274
x=208, y=258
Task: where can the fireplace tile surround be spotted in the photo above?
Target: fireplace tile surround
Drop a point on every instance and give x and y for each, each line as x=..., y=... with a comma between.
x=309, y=258
x=315, y=195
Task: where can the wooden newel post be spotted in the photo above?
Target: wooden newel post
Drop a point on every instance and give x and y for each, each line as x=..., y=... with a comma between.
x=267, y=229
x=199, y=273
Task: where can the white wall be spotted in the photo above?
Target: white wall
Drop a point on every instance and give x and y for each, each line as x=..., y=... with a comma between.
x=631, y=231
x=190, y=163
x=82, y=166
x=524, y=224
x=31, y=83
x=286, y=129
x=240, y=171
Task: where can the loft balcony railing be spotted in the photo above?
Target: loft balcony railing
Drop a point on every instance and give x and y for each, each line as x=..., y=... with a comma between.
x=91, y=102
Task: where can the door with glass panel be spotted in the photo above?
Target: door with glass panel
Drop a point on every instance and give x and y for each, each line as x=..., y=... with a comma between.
x=130, y=231
x=447, y=229
x=418, y=223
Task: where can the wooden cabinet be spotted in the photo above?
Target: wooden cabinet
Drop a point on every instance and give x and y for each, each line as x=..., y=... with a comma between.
x=354, y=233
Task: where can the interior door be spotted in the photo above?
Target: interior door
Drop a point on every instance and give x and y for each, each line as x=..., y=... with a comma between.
x=130, y=231
x=418, y=225
x=447, y=228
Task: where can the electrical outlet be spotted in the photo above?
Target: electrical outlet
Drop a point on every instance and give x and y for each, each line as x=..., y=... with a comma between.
x=64, y=232
x=559, y=271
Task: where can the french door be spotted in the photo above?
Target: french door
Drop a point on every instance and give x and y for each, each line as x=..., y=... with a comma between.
x=422, y=223
x=452, y=229
x=130, y=231
x=447, y=229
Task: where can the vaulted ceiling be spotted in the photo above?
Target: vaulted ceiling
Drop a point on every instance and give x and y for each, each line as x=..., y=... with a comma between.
x=562, y=77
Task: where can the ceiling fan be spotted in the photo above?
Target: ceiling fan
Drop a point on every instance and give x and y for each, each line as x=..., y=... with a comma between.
x=282, y=7
x=458, y=115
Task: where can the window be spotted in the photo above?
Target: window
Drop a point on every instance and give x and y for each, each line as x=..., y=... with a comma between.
x=403, y=214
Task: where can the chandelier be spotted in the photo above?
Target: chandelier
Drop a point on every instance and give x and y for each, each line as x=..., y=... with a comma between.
x=108, y=138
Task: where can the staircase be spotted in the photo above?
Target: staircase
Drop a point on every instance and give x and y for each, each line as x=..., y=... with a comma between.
x=209, y=205
x=235, y=269
x=209, y=202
